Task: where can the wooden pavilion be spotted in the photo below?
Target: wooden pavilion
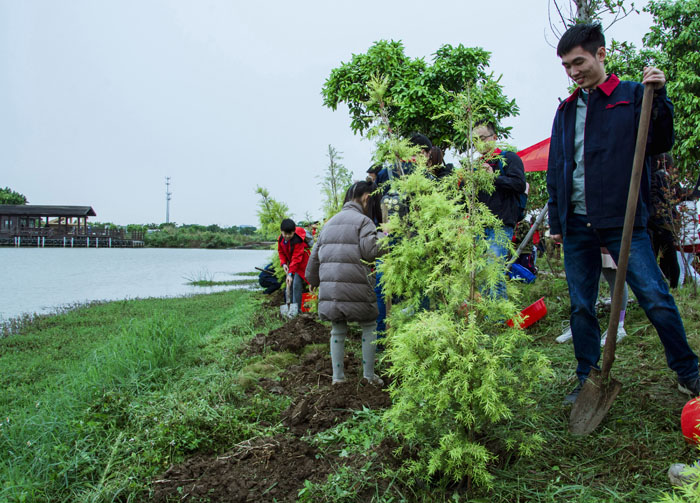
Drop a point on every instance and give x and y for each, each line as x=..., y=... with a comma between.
x=40, y=225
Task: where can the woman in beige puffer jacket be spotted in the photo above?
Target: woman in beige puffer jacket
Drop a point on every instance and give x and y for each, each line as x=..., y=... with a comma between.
x=339, y=267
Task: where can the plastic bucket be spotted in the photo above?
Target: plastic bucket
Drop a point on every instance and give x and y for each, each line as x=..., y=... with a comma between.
x=307, y=298
x=519, y=272
x=532, y=313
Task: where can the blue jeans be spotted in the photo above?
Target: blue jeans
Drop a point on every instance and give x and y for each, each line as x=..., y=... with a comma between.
x=582, y=263
x=297, y=289
x=498, y=241
x=381, y=305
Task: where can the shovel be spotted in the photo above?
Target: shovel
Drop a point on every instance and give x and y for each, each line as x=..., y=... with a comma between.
x=289, y=310
x=599, y=391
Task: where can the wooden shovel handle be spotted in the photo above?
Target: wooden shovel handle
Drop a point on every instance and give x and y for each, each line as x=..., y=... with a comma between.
x=625, y=244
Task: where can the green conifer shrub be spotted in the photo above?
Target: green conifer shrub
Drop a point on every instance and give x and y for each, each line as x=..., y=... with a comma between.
x=463, y=380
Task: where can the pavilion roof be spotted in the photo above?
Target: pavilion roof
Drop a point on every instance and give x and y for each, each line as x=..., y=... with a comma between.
x=38, y=210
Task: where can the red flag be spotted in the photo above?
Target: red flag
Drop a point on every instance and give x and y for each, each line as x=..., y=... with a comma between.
x=535, y=157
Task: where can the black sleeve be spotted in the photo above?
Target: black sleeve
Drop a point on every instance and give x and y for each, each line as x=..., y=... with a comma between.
x=661, y=135
x=513, y=175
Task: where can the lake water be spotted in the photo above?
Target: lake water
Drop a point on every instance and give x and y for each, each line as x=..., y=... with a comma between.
x=41, y=280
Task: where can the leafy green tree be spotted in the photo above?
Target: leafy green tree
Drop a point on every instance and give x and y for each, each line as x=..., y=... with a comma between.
x=246, y=230
x=420, y=96
x=627, y=62
x=270, y=213
x=9, y=196
x=675, y=34
x=671, y=44
x=463, y=378
x=335, y=181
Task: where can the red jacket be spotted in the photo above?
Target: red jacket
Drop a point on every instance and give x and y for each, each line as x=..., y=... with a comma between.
x=295, y=252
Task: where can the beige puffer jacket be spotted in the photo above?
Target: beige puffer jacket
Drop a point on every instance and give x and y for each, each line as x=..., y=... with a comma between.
x=346, y=290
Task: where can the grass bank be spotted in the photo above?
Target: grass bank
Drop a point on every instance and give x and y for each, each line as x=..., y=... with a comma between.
x=98, y=400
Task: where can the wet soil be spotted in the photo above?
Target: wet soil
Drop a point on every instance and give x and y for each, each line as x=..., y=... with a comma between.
x=317, y=404
x=293, y=336
x=263, y=469
x=274, y=469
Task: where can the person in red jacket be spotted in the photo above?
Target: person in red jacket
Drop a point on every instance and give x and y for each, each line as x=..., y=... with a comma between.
x=294, y=255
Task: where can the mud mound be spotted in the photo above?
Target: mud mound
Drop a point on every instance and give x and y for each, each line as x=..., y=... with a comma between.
x=292, y=336
x=326, y=407
x=264, y=469
x=317, y=404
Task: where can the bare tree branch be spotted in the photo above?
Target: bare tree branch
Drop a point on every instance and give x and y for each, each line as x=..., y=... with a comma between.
x=561, y=16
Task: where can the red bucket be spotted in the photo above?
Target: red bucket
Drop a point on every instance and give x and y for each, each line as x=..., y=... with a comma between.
x=307, y=298
x=532, y=313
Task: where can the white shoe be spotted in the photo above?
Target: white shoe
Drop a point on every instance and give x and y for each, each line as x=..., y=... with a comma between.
x=376, y=380
x=565, y=336
x=681, y=474
x=621, y=334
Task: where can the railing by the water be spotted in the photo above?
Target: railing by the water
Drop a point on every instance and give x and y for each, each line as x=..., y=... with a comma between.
x=72, y=238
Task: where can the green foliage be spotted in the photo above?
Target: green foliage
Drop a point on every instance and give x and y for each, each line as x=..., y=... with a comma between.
x=671, y=45
x=419, y=96
x=461, y=374
x=334, y=182
x=353, y=441
x=270, y=213
x=688, y=493
x=9, y=196
x=199, y=236
x=676, y=34
x=627, y=62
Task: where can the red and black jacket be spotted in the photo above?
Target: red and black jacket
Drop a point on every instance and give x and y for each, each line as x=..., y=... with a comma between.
x=295, y=252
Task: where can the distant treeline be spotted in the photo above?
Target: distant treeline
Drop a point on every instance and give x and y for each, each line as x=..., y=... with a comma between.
x=192, y=235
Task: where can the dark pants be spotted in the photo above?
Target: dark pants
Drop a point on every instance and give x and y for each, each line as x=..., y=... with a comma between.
x=663, y=242
x=582, y=262
x=297, y=290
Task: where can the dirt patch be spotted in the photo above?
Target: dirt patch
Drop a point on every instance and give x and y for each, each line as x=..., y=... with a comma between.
x=292, y=336
x=325, y=407
x=274, y=300
x=317, y=404
x=264, y=469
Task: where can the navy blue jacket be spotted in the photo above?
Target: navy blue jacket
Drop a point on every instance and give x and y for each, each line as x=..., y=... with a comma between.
x=610, y=137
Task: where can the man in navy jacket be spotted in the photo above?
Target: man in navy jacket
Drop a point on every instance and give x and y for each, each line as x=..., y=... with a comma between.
x=504, y=201
x=590, y=163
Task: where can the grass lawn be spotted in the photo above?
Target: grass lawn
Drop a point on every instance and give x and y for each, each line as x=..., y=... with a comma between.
x=98, y=401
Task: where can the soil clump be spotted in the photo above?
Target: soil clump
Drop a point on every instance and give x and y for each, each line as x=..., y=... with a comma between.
x=292, y=336
x=263, y=469
x=317, y=403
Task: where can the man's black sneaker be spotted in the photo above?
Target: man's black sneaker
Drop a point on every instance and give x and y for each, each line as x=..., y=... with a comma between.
x=691, y=387
x=571, y=397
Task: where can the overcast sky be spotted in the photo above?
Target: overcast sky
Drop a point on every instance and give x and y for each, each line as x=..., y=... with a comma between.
x=101, y=100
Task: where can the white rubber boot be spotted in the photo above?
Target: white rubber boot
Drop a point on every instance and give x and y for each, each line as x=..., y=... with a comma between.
x=338, y=334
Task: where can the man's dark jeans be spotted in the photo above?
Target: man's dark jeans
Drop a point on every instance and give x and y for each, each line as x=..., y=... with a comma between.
x=582, y=263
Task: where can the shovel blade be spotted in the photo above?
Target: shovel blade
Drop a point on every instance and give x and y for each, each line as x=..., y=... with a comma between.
x=593, y=403
x=289, y=310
